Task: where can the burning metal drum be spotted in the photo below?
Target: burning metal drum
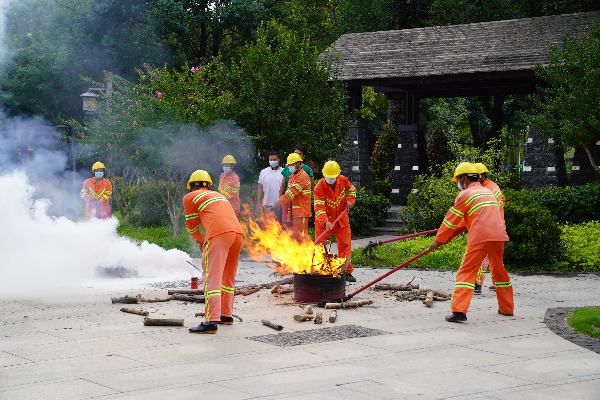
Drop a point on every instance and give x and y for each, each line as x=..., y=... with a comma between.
x=309, y=288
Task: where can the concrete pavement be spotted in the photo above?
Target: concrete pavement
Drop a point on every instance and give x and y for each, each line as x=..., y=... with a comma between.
x=81, y=346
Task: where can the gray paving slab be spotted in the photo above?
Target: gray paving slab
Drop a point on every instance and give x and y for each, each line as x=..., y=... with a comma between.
x=80, y=346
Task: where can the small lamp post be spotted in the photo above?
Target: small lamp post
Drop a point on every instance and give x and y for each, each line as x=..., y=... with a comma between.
x=89, y=103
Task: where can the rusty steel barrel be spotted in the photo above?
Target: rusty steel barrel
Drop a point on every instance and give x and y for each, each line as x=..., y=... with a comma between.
x=314, y=288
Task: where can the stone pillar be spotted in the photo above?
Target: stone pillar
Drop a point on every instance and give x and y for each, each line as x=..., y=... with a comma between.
x=539, y=169
x=582, y=171
x=406, y=167
x=356, y=161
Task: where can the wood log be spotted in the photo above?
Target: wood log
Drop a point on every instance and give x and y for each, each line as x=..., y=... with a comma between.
x=162, y=322
x=183, y=297
x=248, y=291
x=185, y=291
x=202, y=314
x=156, y=300
x=319, y=318
x=285, y=281
x=348, y=304
x=270, y=324
x=402, y=288
x=441, y=294
x=286, y=289
x=303, y=317
x=275, y=288
x=333, y=316
x=307, y=310
x=436, y=298
x=133, y=311
x=126, y=299
x=429, y=299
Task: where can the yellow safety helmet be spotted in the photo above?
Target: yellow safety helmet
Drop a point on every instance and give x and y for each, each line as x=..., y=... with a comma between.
x=97, y=165
x=464, y=168
x=293, y=158
x=199, y=176
x=331, y=169
x=481, y=168
x=228, y=160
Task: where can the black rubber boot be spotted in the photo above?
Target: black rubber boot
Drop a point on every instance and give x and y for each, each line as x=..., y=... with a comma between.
x=506, y=315
x=350, y=278
x=477, y=289
x=493, y=288
x=226, y=320
x=205, y=327
x=456, y=317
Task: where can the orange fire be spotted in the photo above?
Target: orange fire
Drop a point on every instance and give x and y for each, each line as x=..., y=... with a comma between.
x=266, y=241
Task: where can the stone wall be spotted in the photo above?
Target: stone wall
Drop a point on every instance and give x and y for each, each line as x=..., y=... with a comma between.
x=407, y=165
x=540, y=165
x=356, y=161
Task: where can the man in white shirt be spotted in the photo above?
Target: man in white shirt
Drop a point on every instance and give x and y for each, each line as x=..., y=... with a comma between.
x=269, y=182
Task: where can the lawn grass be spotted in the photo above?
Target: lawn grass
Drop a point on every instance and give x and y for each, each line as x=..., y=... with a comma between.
x=586, y=321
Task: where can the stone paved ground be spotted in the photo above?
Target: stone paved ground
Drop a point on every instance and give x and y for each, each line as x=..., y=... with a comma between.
x=80, y=346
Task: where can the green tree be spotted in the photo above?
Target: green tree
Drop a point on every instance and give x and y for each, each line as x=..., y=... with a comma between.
x=285, y=95
x=570, y=108
x=166, y=126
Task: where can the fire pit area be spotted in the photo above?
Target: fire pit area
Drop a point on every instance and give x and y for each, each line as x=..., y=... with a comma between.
x=309, y=288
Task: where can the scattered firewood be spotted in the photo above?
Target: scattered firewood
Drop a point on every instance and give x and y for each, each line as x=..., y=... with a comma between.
x=303, y=317
x=156, y=300
x=285, y=281
x=348, y=304
x=307, y=310
x=127, y=299
x=272, y=325
x=185, y=291
x=202, y=314
x=422, y=295
x=402, y=288
x=162, y=322
x=133, y=311
x=283, y=289
x=319, y=318
x=429, y=299
x=248, y=291
x=441, y=294
x=333, y=316
x=183, y=297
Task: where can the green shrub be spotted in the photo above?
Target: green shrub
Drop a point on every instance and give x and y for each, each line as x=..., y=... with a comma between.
x=582, y=245
x=533, y=231
x=391, y=255
x=368, y=212
x=149, y=208
x=161, y=236
x=384, y=153
x=439, y=152
x=575, y=204
x=383, y=188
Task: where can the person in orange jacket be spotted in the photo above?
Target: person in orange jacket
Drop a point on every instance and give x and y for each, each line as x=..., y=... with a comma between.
x=495, y=189
x=229, y=184
x=97, y=192
x=298, y=192
x=221, y=246
x=333, y=195
x=480, y=211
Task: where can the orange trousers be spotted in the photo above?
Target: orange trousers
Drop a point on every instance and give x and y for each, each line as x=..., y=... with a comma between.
x=300, y=228
x=482, y=270
x=344, y=242
x=219, y=267
x=467, y=274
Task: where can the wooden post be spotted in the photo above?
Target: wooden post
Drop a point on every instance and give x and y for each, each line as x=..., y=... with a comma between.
x=333, y=316
x=270, y=324
x=162, y=322
x=318, y=318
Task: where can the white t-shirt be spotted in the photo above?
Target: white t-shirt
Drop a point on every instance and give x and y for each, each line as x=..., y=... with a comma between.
x=270, y=180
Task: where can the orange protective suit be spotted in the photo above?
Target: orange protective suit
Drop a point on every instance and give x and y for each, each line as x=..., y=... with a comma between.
x=329, y=204
x=495, y=189
x=221, y=246
x=96, y=197
x=480, y=211
x=298, y=192
x=229, y=186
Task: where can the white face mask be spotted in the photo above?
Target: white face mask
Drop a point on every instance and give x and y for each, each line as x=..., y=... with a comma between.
x=292, y=168
x=330, y=181
x=460, y=186
x=99, y=174
x=226, y=170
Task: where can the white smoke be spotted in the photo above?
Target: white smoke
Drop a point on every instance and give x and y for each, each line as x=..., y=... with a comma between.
x=44, y=255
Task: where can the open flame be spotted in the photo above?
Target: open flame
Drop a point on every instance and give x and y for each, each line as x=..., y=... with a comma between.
x=264, y=237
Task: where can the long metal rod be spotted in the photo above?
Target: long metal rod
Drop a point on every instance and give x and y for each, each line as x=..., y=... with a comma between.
x=409, y=236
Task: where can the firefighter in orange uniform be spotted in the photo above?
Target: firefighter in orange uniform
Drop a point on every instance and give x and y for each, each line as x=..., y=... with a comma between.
x=495, y=189
x=298, y=192
x=333, y=195
x=97, y=192
x=229, y=184
x=481, y=213
x=221, y=246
